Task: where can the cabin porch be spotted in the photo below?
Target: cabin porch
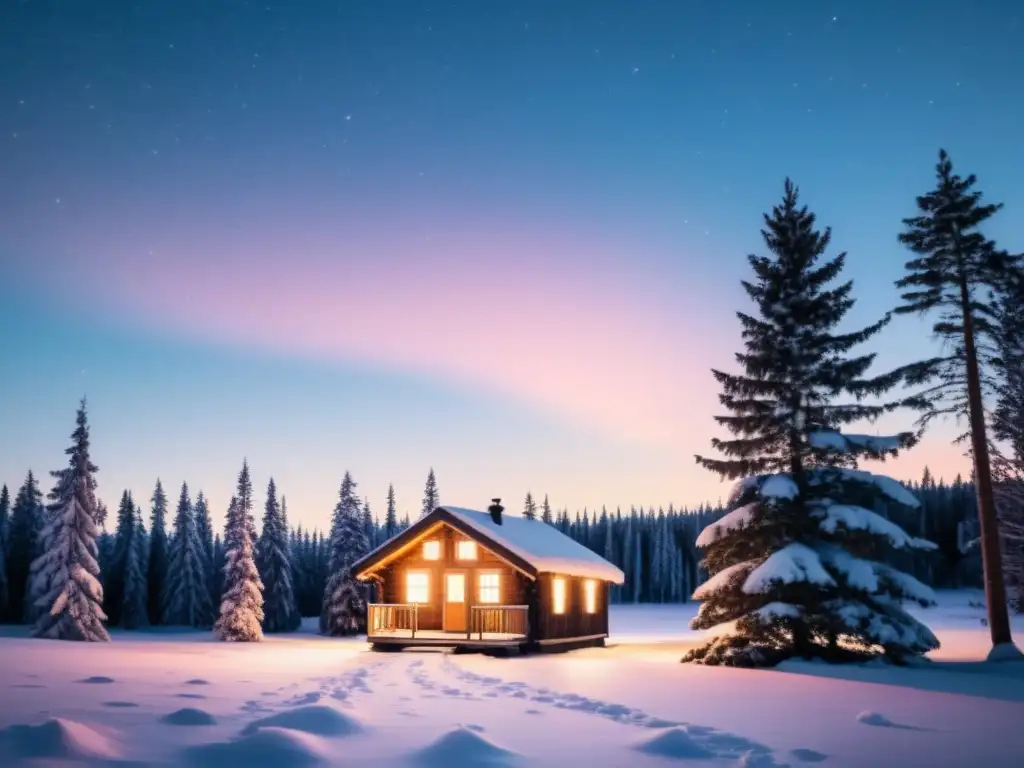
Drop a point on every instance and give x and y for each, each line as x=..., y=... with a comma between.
x=396, y=625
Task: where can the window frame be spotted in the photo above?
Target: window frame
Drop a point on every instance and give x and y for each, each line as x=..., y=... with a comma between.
x=590, y=598
x=563, y=582
x=426, y=586
x=480, y=587
x=466, y=542
x=423, y=551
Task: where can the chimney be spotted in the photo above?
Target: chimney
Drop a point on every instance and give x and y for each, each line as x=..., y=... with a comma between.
x=496, y=509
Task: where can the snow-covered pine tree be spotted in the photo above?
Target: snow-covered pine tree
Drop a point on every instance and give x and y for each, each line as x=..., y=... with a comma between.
x=220, y=559
x=275, y=567
x=799, y=562
x=391, y=518
x=243, y=494
x=431, y=497
x=289, y=536
x=204, y=530
x=344, y=605
x=529, y=507
x=133, y=611
x=545, y=513
x=369, y=525
x=66, y=576
x=157, y=560
x=187, y=601
x=241, y=605
x=955, y=266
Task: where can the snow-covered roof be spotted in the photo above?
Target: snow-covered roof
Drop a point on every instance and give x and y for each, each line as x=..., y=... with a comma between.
x=542, y=545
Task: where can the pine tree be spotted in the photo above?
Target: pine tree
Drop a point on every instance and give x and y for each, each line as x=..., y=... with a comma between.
x=157, y=561
x=220, y=561
x=66, y=576
x=241, y=606
x=391, y=518
x=545, y=514
x=101, y=515
x=296, y=618
x=797, y=563
x=431, y=497
x=529, y=507
x=133, y=611
x=344, y=604
x=204, y=529
x=5, y=587
x=275, y=567
x=243, y=493
x=187, y=599
x=955, y=266
x=114, y=584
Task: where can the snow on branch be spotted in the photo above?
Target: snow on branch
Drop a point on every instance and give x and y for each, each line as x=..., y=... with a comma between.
x=836, y=517
x=792, y=564
x=840, y=442
x=889, y=487
x=736, y=520
x=723, y=580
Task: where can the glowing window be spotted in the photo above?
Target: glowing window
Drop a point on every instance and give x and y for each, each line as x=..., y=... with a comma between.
x=465, y=550
x=558, y=594
x=590, y=593
x=490, y=588
x=456, y=589
x=417, y=587
x=431, y=550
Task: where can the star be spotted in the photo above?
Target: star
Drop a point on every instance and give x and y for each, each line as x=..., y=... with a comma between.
x=635, y=70
x=348, y=117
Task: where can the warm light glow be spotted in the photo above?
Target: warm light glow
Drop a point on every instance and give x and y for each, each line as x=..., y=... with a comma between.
x=431, y=550
x=558, y=594
x=590, y=593
x=417, y=587
x=455, y=590
x=465, y=550
x=490, y=588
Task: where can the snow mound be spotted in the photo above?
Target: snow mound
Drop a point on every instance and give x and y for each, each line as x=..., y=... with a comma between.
x=462, y=746
x=97, y=679
x=808, y=755
x=189, y=716
x=674, y=743
x=58, y=739
x=270, y=747
x=197, y=681
x=318, y=719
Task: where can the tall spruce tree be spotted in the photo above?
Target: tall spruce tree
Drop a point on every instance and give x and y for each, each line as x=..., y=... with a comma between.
x=23, y=545
x=204, y=529
x=545, y=513
x=344, y=603
x=529, y=507
x=133, y=611
x=243, y=494
x=431, y=497
x=274, y=564
x=391, y=517
x=66, y=575
x=798, y=564
x=241, y=605
x=157, y=561
x=954, y=270
x=187, y=599
x=114, y=582
x=220, y=560
x=5, y=587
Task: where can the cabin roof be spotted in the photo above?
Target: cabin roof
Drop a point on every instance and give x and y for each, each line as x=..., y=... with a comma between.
x=536, y=543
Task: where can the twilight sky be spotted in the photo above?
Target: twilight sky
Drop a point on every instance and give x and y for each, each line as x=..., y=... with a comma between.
x=503, y=239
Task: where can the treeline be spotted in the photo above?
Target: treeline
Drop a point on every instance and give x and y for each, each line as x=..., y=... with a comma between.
x=164, y=565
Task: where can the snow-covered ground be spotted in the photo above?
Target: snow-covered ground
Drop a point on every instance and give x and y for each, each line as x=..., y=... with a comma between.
x=166, y=697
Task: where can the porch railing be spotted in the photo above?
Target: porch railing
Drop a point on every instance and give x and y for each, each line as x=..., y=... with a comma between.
x=384, y=618
x=499, y=619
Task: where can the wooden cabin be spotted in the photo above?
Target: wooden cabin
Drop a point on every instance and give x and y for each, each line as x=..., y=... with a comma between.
x=485, y=580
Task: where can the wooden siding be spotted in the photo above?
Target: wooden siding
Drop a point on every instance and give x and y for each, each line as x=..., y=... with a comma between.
x=512, y=584
x=575, y=622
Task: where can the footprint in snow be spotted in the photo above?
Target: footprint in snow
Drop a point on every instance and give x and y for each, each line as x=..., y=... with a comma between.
x=97, y=679
x=190, y=696
x=197, y=681
x=120, y=704
x=28, y=685
x=534, y=712
x=881, y=721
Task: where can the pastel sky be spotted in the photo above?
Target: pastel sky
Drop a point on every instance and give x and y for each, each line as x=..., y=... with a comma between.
x=502, y=239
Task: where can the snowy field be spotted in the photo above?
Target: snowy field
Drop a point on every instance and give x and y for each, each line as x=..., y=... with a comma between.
x=160, y=698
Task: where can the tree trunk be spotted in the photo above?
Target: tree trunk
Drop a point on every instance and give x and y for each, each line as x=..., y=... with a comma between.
x=995, y=588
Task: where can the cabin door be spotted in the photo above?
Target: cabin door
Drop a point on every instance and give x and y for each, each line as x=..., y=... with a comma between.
x=455, y=601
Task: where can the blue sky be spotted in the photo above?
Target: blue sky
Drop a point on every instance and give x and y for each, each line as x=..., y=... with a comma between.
x=501, y=239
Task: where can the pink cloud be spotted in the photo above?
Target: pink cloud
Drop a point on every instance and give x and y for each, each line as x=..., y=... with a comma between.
x=549, y=318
